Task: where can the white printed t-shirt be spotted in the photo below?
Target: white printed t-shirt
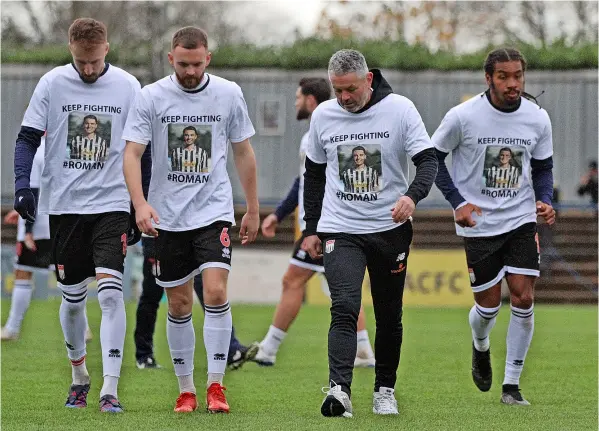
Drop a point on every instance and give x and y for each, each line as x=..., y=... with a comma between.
x=83, y=171
x=491, y=152
x=189, y=193
x=367, y=161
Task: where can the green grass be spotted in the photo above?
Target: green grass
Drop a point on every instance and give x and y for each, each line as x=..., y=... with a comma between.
x=434, y=387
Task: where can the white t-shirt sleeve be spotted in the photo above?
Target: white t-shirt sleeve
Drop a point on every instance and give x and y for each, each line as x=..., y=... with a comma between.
x=314, y=149
x=449, y=133
x=36, y=115
x=138, y=127
x=240, y=126
x=544, y=147
x=415, y=134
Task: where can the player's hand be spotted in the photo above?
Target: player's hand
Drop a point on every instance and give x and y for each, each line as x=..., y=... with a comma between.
x=250, y=223
x=25, y=204
x=12, y=217
x=463, y=215
x=313, y=245
x=269, y=225
x=403, y=209
x=546, y=211
x=29, y=242
x=144, y=216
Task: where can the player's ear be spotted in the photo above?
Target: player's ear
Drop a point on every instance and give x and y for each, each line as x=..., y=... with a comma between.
x=312, y=100
x=107, y=48
x=489, y=79
x=369, y=78
x=208, y=58
x=170, y=59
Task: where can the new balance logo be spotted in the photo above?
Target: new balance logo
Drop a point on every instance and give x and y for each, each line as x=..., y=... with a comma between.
x=69, y=346
x=178, y=361
x=518, y=362
x=219, y=357
x=20, y=198
x=114, y=353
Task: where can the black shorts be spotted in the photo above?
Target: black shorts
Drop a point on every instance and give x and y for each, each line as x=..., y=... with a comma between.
x=180, y=256
x=302, y=259
x=513, y=252
x=86, y=244
x=40, y=259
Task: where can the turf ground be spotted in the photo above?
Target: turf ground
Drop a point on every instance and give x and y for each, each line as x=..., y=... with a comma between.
x=434, y=388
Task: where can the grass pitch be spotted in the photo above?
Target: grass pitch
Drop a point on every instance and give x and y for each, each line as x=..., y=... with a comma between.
x=434, y=388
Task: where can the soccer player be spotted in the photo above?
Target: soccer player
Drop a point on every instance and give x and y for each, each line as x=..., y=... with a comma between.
x=191, y=214
x=361, y=178
x=369, y=230
x=310, y=93
x=498, y=221
x=190, y=157
x=87, y=201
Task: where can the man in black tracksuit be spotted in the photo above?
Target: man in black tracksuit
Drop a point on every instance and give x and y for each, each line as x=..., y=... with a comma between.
x=364, y=228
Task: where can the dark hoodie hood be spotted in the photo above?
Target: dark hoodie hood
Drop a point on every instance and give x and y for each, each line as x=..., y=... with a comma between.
x=380, y=90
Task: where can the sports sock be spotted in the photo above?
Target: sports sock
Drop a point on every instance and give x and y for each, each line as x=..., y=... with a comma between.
x=21, y=298
x=519, y=336
x=364, y=347
x=112, y=331
x=73, y=320
x=217, y=334
x=272, y=341
x=482, y=321
x=181, y=342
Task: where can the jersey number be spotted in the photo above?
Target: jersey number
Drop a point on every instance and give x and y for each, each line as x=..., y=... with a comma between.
x=224, y=237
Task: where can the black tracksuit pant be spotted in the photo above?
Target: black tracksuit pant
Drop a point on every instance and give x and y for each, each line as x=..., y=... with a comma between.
x=346, y=256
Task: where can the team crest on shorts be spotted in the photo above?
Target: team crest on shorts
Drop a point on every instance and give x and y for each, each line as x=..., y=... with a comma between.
x=60, y=271
x=400, y=257
x=330, y=246
x=301, y=254
x=471, y=274
x=226, y=253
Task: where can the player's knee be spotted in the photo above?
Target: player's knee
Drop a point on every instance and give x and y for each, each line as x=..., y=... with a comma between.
x=291, y=283
x=180, y=305
x=523, y=299
x=73, y=299
x=345, y=308
x=215, y=293
x=109, y=299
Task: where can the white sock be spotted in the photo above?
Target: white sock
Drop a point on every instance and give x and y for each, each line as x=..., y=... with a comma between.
x=482, y=321
x=21, y=298
x=364, y=347
x=110, y=386
x=217, y=336
x=73, y=320
x=186, y=384
x=272, y=341
x=519, y=336
x=79, y=372
x=215, y=378
x=112, y=331
x=181, y=342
